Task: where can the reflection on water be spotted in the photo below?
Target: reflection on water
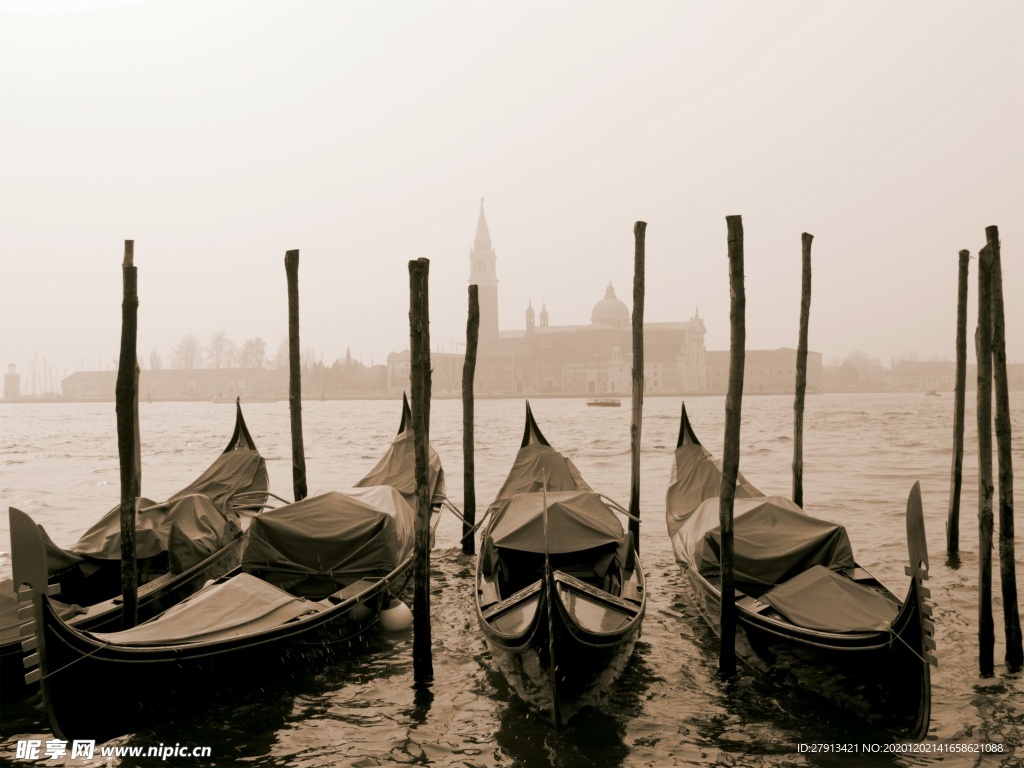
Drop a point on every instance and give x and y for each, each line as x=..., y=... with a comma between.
x=361, y=708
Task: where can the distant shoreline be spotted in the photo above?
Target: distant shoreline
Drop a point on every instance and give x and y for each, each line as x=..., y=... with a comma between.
x=451, y=396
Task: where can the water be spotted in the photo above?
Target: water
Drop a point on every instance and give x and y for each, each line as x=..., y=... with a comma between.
x=862, y=453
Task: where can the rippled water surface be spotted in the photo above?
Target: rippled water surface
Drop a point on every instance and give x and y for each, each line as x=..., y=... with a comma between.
x=862, y=453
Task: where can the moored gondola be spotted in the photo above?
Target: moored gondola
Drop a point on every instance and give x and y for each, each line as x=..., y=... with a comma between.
x=182, y=543
x=807, y=614
x=314, y=575
x=560, y=592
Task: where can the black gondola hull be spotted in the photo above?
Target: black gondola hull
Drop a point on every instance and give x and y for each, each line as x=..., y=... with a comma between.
x=876, y=676
x=587, y=663
x=94, y=690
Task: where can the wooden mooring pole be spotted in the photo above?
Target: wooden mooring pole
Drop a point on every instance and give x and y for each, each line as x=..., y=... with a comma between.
x=639, y=235
x=1007, y=568
x=291, y=268
x=127, y=409
x=419, y=345
x=983, y=344
x=731, y=450
x=959, y=398
x=468, y=460
x=801, y=373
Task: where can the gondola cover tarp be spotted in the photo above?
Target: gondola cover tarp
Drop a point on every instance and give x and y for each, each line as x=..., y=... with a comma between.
x=577, y=520
x=326, y=542
x=824, y=600
x=193, y=523
x=241, y=605
x=397, y=468
x=696, y=477
x=773, y=540
x=188, y=529
x=532, y=463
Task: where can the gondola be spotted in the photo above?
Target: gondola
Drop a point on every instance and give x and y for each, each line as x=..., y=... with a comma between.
x=182, y=543
x=560, y=590
x=807, y=614
x=314, y=575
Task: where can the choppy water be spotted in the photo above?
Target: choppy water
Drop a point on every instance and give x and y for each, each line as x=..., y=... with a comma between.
x=862, y=454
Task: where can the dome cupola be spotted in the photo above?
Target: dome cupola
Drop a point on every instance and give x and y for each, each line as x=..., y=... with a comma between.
x=610, y=311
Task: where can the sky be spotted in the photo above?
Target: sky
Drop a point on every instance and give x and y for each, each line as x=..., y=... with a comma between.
x=219, y=135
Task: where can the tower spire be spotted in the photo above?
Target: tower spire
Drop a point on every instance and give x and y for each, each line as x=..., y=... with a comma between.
x=482, y=242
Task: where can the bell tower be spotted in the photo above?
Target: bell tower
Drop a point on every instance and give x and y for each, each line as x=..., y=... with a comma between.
x=483, y=274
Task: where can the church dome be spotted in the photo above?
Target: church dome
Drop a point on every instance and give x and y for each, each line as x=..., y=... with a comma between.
x=610, y=311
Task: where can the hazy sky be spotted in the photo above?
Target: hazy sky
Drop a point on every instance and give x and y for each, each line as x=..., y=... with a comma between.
x=219, y=135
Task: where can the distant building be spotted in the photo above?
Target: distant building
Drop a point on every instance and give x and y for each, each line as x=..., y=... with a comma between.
x=186, y=384
x=594, y=358
x=12, y=384
x=765, y=371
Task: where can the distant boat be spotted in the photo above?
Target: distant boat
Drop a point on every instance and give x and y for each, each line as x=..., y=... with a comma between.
x=605, y=402
x=931, y=393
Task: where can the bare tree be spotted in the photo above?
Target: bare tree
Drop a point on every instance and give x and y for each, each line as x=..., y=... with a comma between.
x=220, y=351
x=155, y=361
x=187, y=353
x=253, y=353
x=281, y=358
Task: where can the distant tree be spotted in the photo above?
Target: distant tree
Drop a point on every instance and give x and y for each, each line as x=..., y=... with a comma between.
x=253, y=353
x=308, y=358
x=220, y=351
x=187, y=353
x=155, y=361
x=281, y=358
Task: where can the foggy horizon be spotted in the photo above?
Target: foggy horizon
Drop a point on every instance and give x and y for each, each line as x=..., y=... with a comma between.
x=217, y=136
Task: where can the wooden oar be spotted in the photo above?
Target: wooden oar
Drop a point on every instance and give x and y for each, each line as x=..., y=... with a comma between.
x=549, y=598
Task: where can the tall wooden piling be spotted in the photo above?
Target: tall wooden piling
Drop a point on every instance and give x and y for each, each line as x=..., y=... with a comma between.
x=983, y=343
x=959, y=398
x=731, y=450
x=801, y=373
x=468, y=460
x=419, y=345
x=291, y=268
x=639, y=235
x=1007, y=567
x=126, y=395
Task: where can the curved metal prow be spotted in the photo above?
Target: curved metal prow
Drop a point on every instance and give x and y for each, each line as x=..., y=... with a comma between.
x=686, y=434
x=240, y=438
x=532, y=433
x=406, y=415
x=28, y=563
x=917, y=546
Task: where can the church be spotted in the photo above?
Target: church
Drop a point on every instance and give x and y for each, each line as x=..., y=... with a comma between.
x=593, y=358
x=590, y=358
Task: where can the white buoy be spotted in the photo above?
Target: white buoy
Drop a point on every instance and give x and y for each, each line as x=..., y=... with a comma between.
x=396, y=617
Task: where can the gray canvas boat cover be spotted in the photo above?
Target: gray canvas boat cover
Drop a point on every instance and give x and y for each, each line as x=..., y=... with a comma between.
x=397, y=468
x=822, y=599
x=199, y=518
x=532, y=461
x=320, y=544
x=189, y=530
x=238, y=606
x=773, y=540
x=696, y=476
x=577, y=520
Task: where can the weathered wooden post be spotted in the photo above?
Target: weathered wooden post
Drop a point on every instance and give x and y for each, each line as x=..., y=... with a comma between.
x=639, y=234
x=419, y=345
x=983, y=344
x=291, y=268
x=801, y=374
x=1007, y=567
x=126, y=394
x=731, y=451
x=468, y=460
x=959, y=397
